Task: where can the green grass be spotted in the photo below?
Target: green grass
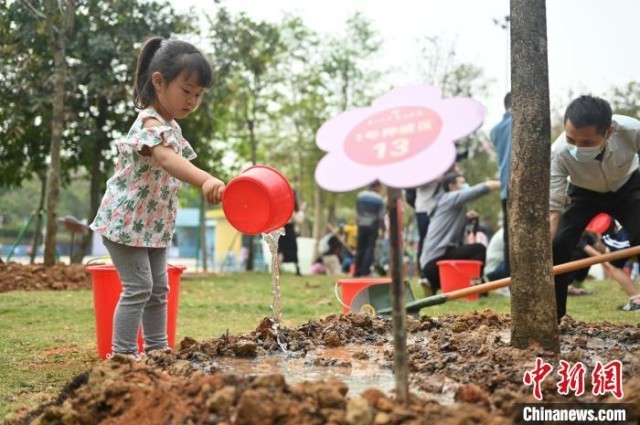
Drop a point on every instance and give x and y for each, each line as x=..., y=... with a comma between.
x=48, y=337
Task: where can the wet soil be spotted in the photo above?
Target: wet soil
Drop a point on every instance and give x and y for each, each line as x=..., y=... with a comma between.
x=37, y=277
x=462, y=371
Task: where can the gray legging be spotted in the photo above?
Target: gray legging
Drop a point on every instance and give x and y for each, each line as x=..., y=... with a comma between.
x=143, y=273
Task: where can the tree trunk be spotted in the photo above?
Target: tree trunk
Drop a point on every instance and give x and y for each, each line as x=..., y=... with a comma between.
x=394, y=199
x=318, y=224
x=534, y=317
x=57, y=40
x=37, y=230
x=97, y=182
x=331, y=209
x=203, y=231
x=254, y=159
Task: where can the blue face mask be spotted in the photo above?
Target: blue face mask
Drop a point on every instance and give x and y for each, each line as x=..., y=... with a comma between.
x=464, y=186
x=584, y=154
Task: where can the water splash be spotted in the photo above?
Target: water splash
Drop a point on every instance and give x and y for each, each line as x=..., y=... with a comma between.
x=271, y=239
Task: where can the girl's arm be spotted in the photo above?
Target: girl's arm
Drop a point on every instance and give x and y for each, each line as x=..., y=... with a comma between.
x=185, y=171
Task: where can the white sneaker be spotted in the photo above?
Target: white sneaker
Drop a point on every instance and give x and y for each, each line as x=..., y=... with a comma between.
x=630, y=306
x=503, y=292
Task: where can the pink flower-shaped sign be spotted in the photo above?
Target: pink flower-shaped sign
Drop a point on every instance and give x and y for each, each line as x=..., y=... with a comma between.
x=405, y=139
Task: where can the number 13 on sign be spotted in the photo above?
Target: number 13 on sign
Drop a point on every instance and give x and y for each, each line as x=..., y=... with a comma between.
x=398, y=148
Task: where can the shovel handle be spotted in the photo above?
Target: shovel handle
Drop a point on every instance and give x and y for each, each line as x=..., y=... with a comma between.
x=416, y=305
x=559, y=269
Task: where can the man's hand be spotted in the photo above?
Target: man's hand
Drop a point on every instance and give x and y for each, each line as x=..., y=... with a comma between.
x=213, y=189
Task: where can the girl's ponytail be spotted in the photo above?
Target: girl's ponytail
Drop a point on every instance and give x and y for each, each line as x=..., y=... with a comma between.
x=143, y=92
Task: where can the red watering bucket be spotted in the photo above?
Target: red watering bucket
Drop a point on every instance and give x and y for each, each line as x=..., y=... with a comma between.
x=260, y=200
x=599, y=223
x=106, y=293
x=458, y=274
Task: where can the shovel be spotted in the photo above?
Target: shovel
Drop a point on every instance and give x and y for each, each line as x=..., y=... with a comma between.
x=415, y=306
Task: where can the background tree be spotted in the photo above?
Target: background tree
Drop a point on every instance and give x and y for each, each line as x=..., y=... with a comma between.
x=440, y=66
x=351, y=80
x=25, y=115
x=302, y=109
x=100, y=56
x=207, y=129
x=105, y=46
x=250, y=50
x=534, y=318
x=58, y=25
x=626, y=100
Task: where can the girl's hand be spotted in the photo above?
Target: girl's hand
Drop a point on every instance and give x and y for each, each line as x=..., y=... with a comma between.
x=213, y=189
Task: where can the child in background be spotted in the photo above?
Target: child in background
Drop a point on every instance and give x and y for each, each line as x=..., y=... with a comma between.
x=137, y=215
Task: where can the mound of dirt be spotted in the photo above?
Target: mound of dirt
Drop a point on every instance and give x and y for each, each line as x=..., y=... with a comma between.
x=462, y=371
x=37, y=277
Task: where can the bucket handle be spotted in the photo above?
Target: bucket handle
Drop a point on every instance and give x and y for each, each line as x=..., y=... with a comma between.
x=475, y=280
x=335, y=290
x=93, y=261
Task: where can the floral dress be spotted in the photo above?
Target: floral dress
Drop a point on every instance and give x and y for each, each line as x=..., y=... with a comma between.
x=140, y=204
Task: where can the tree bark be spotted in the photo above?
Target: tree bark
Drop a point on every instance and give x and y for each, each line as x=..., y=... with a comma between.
x=61, y=13
x=318, y=224
x=534, y=317
x=97, y=181
x=203, y=230
x=37, y=228
x=394, y=199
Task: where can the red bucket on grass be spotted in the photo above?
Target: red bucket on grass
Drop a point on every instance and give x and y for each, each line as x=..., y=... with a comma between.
x=354, y=294
x=106, y=293
x=458, y=274
x=260, y=200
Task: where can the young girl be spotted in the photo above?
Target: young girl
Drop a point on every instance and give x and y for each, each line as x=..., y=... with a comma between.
x=137, y=215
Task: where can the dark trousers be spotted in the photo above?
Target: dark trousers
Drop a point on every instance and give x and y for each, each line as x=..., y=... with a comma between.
x=422, y=219
x=474, y=251
x=367, y=237
x=623, y=205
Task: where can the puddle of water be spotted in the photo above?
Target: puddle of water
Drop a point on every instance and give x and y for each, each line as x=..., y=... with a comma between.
x=357, y=374
x=345, y=363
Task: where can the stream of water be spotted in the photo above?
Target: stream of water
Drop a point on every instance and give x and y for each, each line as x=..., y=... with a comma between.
x=271, y=239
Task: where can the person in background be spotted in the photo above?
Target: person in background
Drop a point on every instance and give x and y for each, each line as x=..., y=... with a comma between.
x=616, y=238
x=349, y=232
x=501, y=137
x=597, y=152
x=136, y=217
x=425, y=204
x=370, y=220
x=329, y=260
x=494, y=264
x=288, y=244
x=446, y=236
